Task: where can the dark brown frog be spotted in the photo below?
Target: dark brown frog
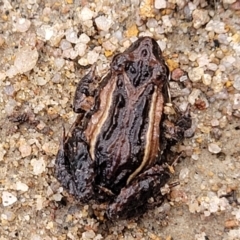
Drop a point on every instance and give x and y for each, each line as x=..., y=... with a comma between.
x=114, y=150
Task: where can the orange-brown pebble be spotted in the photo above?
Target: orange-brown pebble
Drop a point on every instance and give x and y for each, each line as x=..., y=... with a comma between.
x=4, y=17
x=228, y=84
x=132, y=31
x=172, y=64
x=146, y=9
x=153, y=236
x=108, y=53
x=231, y=223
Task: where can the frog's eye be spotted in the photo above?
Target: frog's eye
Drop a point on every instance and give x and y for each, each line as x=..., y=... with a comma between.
x=144, y=53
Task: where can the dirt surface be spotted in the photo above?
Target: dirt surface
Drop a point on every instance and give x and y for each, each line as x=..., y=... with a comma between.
x=46, y=47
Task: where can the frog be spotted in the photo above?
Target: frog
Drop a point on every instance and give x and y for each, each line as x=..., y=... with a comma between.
x=115, y=150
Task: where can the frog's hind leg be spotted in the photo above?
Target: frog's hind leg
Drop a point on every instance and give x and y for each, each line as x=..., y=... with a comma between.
x=74, y=168
x=133, y=199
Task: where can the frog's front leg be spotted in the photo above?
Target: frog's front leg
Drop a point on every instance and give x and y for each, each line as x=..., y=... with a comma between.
x=74, y=166
x=173, y=131
x=86, y=92
x=132, y=200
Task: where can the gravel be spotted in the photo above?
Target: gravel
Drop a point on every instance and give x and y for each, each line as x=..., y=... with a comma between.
x=47, y=46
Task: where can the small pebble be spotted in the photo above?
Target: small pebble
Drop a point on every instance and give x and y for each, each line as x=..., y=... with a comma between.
x=64, y=44
x=59, y=63
x=39, y=166
x=57, y=197
x=200, y=17
x=214, y=122
x=160, y=4
x=229, y=1
x=26, y=59
x=216, y=26
x=194, y=95
x=203, y=60
x=207, y=79
x=236, y=101
x=86, y=14
x=70, y=53
x=2, y=152
x=46, y=32
x=231, y=223
x=172, y=64
x=109, y=46
x=80, y=48
x=50, y=148
x=237, y=214
x=166, y=22
x=146, y=9
x=195, y=74
x=35, y=236
x=84, y=38
x=132, y=31
x=8, y=215
x=228, y=61
x=200, y=236
x=162, y=45
x=183, y=173
x=152, y=23
x=236, y=82
x=177, y=74
x=83, y=62
x=212, y=66
x=236, y=6
x=2, y=41
x=41, y=81
x=8, y=198
x=153, y=236
x=71, y=36
x=193, y=56
x=22, y=24
x=214, y=148
x=21, y=186
x=92, y=56
x=193, y=206
x=24, y=148
x=223, y=39
x=88, y=235
x=103, y=23
x=217, y=83
x=39, y=202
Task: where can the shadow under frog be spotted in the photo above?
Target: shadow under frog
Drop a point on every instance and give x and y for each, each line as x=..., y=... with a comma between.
x=113, y=152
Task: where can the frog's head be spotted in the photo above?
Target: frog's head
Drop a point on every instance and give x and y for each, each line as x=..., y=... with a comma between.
x=142, y=62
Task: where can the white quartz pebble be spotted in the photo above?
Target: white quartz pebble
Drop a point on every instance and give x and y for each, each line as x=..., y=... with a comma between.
x=214, y=148
x=8, y=198
x=26, y=59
